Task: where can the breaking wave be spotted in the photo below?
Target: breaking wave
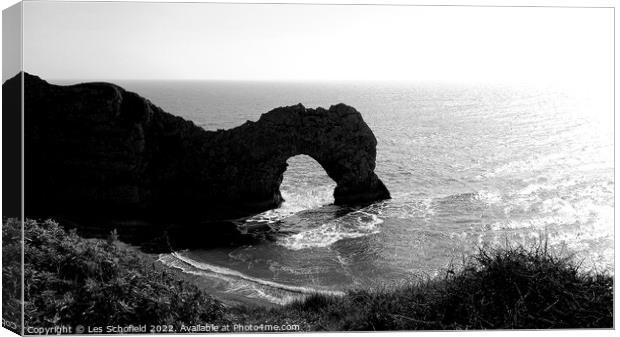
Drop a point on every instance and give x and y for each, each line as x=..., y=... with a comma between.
x=353, y=225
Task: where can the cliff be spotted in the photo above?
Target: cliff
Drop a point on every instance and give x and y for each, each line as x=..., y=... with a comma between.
x=95, y=147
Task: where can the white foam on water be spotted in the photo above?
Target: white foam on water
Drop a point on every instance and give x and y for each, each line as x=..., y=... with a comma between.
x=249, y=286
x=297, y=200
x=350, y=226
x=310, y=270
x=489, y=197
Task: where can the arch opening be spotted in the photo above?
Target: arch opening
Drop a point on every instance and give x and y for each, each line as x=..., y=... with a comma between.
x=305, y=184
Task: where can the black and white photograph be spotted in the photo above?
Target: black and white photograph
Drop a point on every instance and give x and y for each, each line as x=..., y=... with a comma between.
x=197, y=167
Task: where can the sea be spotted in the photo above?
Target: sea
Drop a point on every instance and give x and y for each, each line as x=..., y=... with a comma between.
x=469, y=167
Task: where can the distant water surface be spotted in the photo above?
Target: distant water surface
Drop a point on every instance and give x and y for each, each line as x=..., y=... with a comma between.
x=467, y=166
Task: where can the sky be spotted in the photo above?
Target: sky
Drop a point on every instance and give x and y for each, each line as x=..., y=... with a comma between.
x=99, y=41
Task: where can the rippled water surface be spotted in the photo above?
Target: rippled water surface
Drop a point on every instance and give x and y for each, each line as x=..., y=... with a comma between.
x=467, y=167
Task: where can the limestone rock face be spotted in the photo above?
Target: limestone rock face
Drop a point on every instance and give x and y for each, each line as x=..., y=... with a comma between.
x=95, y=147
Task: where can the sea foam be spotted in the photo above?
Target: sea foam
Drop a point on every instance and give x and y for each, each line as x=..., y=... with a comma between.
x=236, y=281
x=353, y=225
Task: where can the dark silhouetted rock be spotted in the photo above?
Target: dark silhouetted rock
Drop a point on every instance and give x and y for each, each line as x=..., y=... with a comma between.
x=95, y=147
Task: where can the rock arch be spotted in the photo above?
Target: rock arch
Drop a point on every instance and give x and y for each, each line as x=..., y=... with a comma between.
x=95, y=147
x=337, y=138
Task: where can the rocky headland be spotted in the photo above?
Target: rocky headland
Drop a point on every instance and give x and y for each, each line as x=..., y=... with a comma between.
x=95, y=148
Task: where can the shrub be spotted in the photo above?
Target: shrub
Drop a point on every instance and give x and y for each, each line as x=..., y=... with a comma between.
x=70, y=280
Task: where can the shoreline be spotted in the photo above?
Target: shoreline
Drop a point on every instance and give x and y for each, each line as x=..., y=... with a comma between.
x=229, y=300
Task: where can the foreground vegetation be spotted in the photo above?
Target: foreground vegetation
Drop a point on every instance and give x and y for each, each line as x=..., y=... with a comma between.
x=70, y=280
x=11, y=275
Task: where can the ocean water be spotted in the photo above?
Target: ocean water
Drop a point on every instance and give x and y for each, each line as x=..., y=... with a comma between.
x=468, y=167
